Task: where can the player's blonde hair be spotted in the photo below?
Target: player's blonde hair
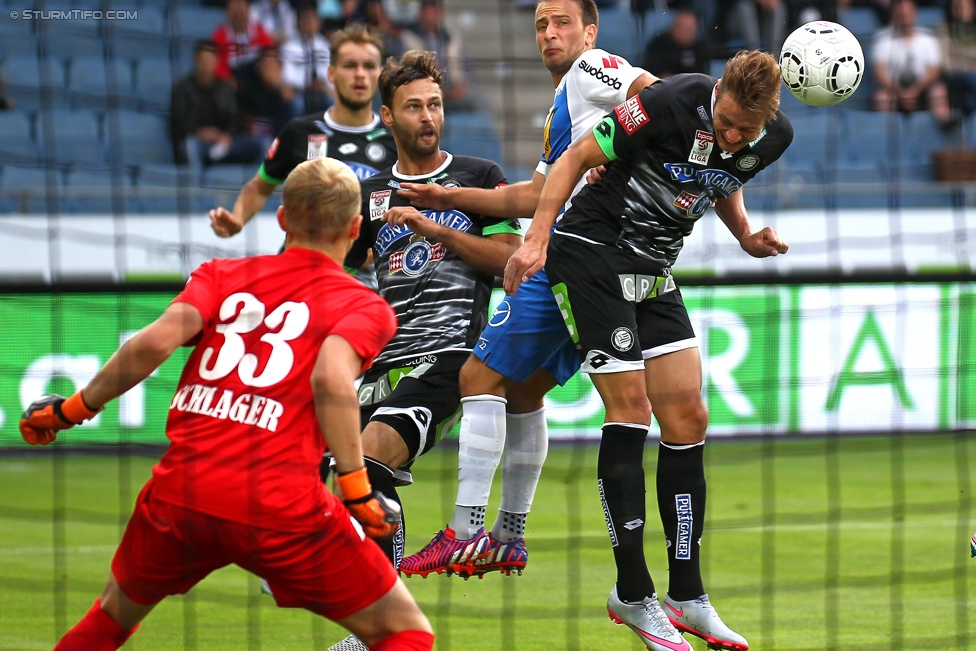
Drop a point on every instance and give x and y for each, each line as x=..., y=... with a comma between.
x=320, y=198
x=355, y=33
x=752, y=79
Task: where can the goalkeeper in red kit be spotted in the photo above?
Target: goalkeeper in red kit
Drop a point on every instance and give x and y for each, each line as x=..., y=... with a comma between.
x=278, y=343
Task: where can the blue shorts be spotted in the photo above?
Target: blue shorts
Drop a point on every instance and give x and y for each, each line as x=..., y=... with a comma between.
x=526, y=332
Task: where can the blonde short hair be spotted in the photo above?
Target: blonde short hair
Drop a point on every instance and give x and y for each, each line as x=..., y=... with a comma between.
x=752, y=79
x=321, y=197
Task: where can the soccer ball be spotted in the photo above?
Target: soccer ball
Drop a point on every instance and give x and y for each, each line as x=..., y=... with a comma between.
x=821, y=63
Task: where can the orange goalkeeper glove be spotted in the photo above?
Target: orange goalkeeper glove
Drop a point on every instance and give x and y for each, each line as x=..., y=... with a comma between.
x=379, y=515
x=49, y=414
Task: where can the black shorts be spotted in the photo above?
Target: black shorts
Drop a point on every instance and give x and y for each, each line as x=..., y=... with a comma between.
x=620, y=309
x=421, y=399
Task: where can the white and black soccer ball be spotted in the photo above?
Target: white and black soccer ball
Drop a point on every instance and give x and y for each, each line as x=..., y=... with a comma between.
x=822, y=63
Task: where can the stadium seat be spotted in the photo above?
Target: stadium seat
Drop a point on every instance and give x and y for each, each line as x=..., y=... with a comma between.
x=472, y=134
x=147, y=36
x=33, y=189
x=22, y=73
x=862, y=21
x=189, y=22
x=17, y=143
x=816, y=139
x=71, y=38
x=90, y=80
x=92, y=190
x=228, y=177
x=929, y=17
x=925, y=137
x=169, y=188
x=16, y=38
x=871, y=137
x=140, y=138
x=75, y=136
x=618, y=34
x=154, y=81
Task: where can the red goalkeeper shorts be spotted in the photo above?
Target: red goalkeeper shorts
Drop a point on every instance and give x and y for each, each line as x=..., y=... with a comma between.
x=334, y=571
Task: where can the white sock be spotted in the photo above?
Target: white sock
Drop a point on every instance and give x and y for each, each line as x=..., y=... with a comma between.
x=525, y=451
x=480, y=445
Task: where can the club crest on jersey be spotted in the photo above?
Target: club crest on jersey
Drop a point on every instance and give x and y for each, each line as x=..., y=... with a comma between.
x=375, y=152
x=379, y=203
x=414, y=259
x=693, y=205
x=713, y=181
x=631, y=115
x=701, y=149
x=318, y=146
x=747, y=162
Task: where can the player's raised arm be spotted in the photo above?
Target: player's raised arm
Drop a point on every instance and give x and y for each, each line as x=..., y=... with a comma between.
x=515, y=201
x=760, y=244
x=131, y=364
x=249, y=201
x=582, y=155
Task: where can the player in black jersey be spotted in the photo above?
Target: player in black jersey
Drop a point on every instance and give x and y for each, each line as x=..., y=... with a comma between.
x=677, y=147
x=436, y=269
x=349, y=131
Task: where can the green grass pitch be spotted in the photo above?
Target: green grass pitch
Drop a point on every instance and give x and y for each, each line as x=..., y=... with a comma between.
x=809, y=544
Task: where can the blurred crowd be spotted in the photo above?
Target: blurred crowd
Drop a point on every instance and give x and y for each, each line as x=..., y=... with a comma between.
x=268, y=63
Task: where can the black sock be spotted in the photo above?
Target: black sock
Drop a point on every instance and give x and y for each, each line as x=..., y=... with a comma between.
x=681, y=500
x=381, y=477
x=621, y=474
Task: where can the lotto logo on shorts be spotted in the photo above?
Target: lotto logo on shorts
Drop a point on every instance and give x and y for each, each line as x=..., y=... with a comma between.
x=682, y=551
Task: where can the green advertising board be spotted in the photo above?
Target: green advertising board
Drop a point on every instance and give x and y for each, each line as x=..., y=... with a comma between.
x=775, y=359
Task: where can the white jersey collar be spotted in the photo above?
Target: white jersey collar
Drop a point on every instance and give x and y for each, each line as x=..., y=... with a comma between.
x=419, y=177
x=332, y=124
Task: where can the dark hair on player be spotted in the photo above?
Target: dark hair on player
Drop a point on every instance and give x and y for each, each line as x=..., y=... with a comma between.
x=752, y=79
x=588, y=10
x=354, y=33
x=413, y=65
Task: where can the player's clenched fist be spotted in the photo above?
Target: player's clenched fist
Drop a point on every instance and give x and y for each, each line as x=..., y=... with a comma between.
x=49, y=414
x=380, y=517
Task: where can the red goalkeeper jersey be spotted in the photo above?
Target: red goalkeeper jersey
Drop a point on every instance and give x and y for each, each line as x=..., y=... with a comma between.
x=245, y=440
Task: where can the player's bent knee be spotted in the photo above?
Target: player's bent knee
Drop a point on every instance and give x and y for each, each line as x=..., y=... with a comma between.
x=477, y=378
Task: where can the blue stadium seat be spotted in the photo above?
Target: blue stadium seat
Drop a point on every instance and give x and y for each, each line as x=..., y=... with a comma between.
x=169, y=188
x=472, y=134
x=90, y=79
x=871, y=137
x=17, y=143
x=147, y=36
x=22, y=73
x=189, y=22
x=862, y=22
x=71, y=38
x=92, y=190
x=16, y=38
x=929, y=17
x=228, y=177
x=34, y=189
x=926, y=136
x=154, y=81
x=816, y=139
x=140, y=138
x=618, y=34
x=75, y=136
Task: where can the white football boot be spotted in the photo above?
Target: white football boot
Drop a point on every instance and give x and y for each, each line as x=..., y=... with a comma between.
x=699, y=618
x=646, y=618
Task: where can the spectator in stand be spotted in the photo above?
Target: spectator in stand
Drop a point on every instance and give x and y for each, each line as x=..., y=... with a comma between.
x=432, y=36
x=339, y=14
x=306, y=63
x=907, y=67
x=758, y=24
x=881, y=8
x=204, y=114
x=266, y=101
x=403, y=13
x=6, y=101
x=391, y=33
x=277, y=17
x=804, y=11
x=678, y=49
x=239, y=40
x=957, y=39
